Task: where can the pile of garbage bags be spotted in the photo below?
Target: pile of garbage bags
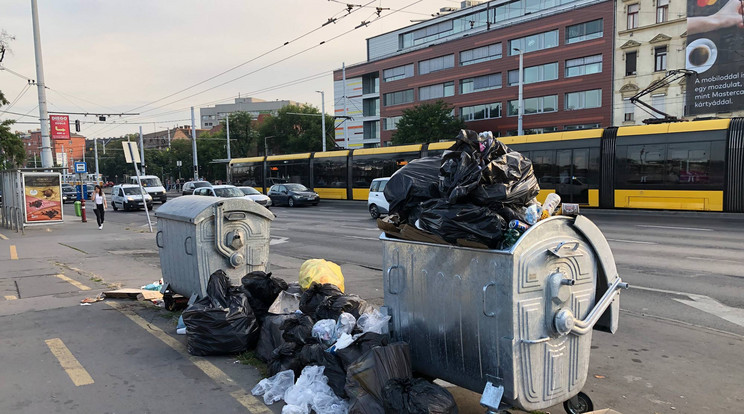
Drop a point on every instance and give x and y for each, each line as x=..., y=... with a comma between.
x=480, y=193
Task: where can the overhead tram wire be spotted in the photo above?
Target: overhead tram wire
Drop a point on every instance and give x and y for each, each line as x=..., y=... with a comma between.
x=17, y=98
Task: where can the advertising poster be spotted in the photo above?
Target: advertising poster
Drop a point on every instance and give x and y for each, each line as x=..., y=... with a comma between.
x=43, y=193
x=59, y=126
x=715, y=50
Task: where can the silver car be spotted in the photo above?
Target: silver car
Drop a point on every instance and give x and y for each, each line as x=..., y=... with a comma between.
x=253, y=194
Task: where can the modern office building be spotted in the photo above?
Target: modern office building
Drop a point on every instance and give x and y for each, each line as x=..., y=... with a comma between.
x=211, y=116
x=470, y=59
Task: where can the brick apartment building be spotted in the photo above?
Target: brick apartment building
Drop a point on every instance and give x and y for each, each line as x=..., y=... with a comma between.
x=74, y=147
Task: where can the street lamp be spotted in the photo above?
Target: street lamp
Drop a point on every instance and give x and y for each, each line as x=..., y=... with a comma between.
x=521, y=86
x=322, y=118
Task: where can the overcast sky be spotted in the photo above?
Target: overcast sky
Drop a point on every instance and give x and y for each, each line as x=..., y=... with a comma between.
x=116, y=56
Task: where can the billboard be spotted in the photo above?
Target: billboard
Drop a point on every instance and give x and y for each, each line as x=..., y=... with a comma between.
x=59, y=126
x=43, y=197
x=715, y=47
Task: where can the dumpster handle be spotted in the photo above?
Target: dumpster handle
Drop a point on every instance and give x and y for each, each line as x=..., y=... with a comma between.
x=583, y=326
x=186, y=245
x=159, y=238
x=387, y=274
x=485, y=288
x=562, y=244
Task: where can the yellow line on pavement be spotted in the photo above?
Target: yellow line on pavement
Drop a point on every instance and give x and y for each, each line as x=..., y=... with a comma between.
x=245, y=399
x=13, y=252
x=73, y=282
x=70, y=364
x=11, y=297
x=2, y=236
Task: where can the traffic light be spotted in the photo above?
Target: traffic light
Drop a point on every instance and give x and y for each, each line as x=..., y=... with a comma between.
x=77, y=125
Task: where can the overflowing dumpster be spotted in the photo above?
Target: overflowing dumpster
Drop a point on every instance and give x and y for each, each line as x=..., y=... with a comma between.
x=515, y=325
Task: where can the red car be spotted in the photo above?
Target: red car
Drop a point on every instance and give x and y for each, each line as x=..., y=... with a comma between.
x=109, y=184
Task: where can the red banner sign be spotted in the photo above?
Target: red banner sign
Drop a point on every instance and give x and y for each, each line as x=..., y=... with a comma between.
x=59, y=126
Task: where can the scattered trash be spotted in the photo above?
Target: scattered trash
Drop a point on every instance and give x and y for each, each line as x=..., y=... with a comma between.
x=333, y=306
x=549, y=206
x=181, y=327
x=98, y=298
x=345, y=324
x=570, y=209
x=417, y=396
x=86, y=304
x=321, y=271
x=316, y=354
x=286, y=356
x=325, y=331
x=273, y=388
x=313, y=392
x=363, y=343
x=315, y=295
x=297, y=328
x=262, y=290
x=154, y=285
x=285, y=303
x=599, y=376
x=138, y=294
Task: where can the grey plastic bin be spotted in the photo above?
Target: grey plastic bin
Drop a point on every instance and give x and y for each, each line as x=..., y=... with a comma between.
x=514, y=325
x=189, y=250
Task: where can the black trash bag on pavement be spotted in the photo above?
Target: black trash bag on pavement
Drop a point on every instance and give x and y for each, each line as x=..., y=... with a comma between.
x=363, y=402
x=212, y=329
x=262, y=291
x=380, y=364
x=360, y=346
x=459, y=175
x=286, y=356
x=315, y=295
x=315, y=354
x=417, y=396
x=271, y=336
x=298, y=328
x=412, y=184
x=462, y=221
x=333, y=306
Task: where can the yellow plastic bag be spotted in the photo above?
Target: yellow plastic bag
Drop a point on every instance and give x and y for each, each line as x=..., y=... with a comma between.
x=321, y=271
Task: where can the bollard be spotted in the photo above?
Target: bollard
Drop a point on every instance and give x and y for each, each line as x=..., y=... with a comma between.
x=78, y=210
x=82, y=209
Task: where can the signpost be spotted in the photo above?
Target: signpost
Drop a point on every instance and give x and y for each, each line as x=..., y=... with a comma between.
x=60, y=126
x=80, y=168
x=131, y=155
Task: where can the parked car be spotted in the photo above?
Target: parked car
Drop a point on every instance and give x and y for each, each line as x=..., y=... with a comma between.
x=188, y=187
x=128, y=197
x=253, y=194
x=377, y=204
x=153, y=186
x=292, y=194
x=69, y=193
x=109, y=184
x=227, y=191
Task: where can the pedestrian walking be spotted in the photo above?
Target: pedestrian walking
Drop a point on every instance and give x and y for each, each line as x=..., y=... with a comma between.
x=100, y=202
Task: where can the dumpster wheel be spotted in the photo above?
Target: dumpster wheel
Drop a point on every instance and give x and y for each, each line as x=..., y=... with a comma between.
x=581, y=403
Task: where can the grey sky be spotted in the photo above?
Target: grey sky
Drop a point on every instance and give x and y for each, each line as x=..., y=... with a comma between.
x=115, y=56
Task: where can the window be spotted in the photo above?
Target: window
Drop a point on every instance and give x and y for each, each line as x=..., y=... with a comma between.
x=660, y=59
x=581, y=126
x=662, y=11
x=584, y=66
x=330, y=172
x=480, y=83
x=485, y=111
x=537, y=105
x=629, y=110
x=533, y=74
x=583, y=99
x=398, y=98
x=371, y=129
x=400, y=72
x=440, y=90
x=371, y=107
x=535, y=42
x=584, y=31
x=436, y=64
x=633, y=10
x=480, y=54
x=390, y=123
x=681, y=165
x=371, y=83
x=658, y=101
x=630, y=63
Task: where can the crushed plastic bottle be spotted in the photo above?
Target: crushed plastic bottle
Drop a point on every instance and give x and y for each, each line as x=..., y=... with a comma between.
x=551, y=203
x=532, y=214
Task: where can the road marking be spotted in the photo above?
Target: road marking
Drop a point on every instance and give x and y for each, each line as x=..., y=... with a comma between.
x=278, y=240
x=631, y=241
x=13, y=252
x=2, y=236
x=711, y=259
x=673, y=228
x=217, y=375
x=361, y=238
x=72, y=282
x=705, y=304
x=70, y=364
x=11, y=297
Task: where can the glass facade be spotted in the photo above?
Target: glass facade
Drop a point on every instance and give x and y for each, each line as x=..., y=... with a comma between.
x=534, y=74
x=484, y=111
x=584, y=66
x=439, y=90
x=584, y=31
x=398, y=98
x=480, y=54
x=480, y=83
x=534, y=42
x=537, y=105
x=396, y=73
x=436, y=64
x=583, y=100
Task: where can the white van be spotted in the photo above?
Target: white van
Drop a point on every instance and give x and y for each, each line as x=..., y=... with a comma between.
x=153, y=186
x=376, y=202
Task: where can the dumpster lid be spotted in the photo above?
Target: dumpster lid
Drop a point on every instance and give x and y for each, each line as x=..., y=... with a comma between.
x=194, y=209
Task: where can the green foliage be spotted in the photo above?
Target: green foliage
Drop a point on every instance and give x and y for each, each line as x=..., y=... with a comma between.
x=429, y=122
x=296, y=128
x=11, y=145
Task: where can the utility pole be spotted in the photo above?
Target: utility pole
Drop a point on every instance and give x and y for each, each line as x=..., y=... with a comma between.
x=520, y=131
x=142, y=151
x=95, y=150
x=322, y=118
x=346, y=124
x=169, y=138
x=193, y=145
x=227, y=123
x=46, y=150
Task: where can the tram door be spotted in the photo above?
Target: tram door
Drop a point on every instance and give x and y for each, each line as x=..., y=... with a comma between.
x=573, y=168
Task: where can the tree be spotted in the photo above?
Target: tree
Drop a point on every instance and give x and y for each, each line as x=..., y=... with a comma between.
x=11, y=145
x=430, y=122
x=296, y=128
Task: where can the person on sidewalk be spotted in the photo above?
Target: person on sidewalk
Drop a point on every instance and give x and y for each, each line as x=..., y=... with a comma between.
x=100, y=202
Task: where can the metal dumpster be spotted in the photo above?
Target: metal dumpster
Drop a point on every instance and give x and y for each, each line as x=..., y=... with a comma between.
x=199, y=235
x=514, y=325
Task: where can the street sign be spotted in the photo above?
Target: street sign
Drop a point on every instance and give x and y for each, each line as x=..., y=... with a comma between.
x=178, y=163
x=131, y=154
x=60, y=126
x=81, y=167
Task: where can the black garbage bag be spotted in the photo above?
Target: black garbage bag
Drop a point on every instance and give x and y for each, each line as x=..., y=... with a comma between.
x=380, y=364
x=333, y=306
x=262, y=291
x=298, y=328
x=416, y=396
x=212, y=329
x=286, y=356
x=508, y=178
x=412, y=184
x=459, y=175
x=360, y=346
x=462, y=221
x=315, y=295
x=365, y=403
x=271, y=336
x=315, y=354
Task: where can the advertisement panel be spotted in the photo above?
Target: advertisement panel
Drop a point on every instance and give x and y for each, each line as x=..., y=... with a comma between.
x=715, y=47
x=59, y=126
x=43, y=196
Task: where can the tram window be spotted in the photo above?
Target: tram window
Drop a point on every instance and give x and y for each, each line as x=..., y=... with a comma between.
x=646, y=164
x=692, y=163
x=368, y=167
x=330, y=172
x=250, y=174
x=674, y=164
x=290, y=171
x=593, y=173
x=543, y=162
